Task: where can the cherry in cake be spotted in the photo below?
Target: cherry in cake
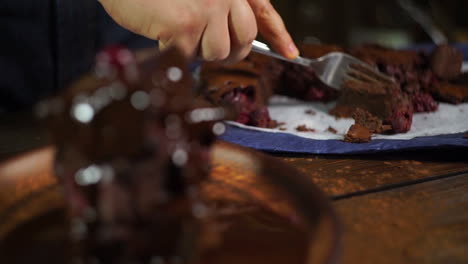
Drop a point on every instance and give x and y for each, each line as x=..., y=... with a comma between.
x=244, y=87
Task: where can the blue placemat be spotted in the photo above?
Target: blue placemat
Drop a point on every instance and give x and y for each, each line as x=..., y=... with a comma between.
x=287, y=143
x=282, y=143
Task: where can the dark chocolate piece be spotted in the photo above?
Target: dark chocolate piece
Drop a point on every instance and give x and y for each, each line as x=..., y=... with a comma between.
x=358, y=134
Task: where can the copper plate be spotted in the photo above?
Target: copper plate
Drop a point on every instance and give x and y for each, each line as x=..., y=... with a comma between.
x=277, y=216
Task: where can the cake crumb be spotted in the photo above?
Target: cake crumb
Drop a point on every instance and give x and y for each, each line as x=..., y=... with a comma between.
x=282, y=129
x=466, y=135
x=332, y=130
x=304, y=128
x=358, y=134
x=275, y=124
x=310, y=112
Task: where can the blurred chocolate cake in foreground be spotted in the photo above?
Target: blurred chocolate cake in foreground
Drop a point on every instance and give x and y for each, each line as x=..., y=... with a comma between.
x=132, y=149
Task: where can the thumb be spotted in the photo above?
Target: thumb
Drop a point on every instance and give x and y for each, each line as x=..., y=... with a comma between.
x=272, y=28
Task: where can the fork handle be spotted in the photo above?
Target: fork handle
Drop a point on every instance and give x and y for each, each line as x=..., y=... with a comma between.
x=263, y=48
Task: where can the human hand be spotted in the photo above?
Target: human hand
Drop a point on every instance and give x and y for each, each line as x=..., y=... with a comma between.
x=211, y=29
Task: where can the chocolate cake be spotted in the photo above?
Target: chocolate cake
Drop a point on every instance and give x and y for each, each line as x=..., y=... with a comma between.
x=131, y=153
x=313, y=51
x=371, y=122
x=450, y=92
x=423, y=102
x=446, y=62
x=453, y=91
x=301, y=82
x=381, y=56
x=385, y=101
x=244, y=87
x=410, y=69
x=419, y=79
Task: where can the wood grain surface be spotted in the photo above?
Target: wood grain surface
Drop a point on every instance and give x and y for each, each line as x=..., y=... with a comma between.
x=422, y=223
x=344, y=176
x=396, y=208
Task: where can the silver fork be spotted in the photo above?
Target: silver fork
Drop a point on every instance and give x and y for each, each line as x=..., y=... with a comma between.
x=332, y=69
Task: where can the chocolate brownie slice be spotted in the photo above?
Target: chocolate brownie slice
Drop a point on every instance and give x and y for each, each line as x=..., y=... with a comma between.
x=450, y=92
x=301, y=82
x=446, y=62
x=385, y=101
x=244, y=87
x=371, y=122
x=410, y=69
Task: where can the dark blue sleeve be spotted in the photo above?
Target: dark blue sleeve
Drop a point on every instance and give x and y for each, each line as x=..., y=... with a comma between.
x=46, y=44
x=26, y=52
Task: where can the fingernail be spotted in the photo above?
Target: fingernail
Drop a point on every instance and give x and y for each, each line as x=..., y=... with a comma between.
x=293, y=52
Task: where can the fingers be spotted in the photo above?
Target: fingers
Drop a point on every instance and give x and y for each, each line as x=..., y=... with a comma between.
x=213, y=29
x=186, y=34
x=242, y=29
x=215, y=42
x=188, y=44
x=272, y=28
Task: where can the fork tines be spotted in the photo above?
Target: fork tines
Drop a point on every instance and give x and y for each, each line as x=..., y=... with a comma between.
x=365, y=73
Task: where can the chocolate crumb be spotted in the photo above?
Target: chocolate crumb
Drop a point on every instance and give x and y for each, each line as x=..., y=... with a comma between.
x=282, y=129
x=304, y=128
x=310, y=112
x=332, y=130
x=275, y=124
x=358, y=134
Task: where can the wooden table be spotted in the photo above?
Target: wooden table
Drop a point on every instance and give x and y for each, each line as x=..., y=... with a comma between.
x=396, y=208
